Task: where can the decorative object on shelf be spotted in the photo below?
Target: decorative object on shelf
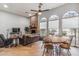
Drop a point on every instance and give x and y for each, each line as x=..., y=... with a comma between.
x=26, y=29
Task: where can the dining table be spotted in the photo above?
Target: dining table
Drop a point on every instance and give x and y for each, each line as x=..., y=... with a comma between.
x=56, y=41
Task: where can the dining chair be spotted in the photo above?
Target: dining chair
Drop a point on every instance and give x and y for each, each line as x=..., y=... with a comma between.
x=47, y=44
x=66, y=45
x=47, y=47
x=45, y=40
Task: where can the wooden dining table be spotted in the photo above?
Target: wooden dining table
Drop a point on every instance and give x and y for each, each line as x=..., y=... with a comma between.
x=56, y=41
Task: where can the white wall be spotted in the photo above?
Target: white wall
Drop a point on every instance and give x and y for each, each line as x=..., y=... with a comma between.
x=8, y=21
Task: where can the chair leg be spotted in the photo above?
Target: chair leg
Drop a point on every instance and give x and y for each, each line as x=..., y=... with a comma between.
x=69, y=53
x=42, y=46
x=50, y=52
x=47, y=50
x=59, y=51
x=53, y=52
x=43, y=52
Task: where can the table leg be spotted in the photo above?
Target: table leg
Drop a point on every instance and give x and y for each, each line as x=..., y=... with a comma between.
x=56, y=49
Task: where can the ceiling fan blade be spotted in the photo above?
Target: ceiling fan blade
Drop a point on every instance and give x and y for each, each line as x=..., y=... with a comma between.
x=40, y=4
x=26, y=12
x=45, y=10
x=34, y=10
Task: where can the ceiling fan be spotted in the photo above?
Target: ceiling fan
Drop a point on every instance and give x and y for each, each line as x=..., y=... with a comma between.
x=39, y=11
x=30, y=14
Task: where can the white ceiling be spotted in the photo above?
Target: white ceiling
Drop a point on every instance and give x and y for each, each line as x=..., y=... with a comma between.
x=21, y=8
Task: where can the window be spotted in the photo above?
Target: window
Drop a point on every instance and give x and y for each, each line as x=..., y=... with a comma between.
x=43, y=26
x=53, y=17
x=43, y=19
x=53, y=24
x=70, y=14
x=70, y=25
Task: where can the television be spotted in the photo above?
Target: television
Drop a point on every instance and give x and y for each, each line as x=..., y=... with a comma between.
x=15, y=30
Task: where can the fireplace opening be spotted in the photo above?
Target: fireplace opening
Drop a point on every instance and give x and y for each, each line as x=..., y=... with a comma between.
x=33, y=31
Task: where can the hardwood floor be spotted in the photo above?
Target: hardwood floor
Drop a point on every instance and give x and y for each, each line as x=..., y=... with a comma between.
x=33, y=49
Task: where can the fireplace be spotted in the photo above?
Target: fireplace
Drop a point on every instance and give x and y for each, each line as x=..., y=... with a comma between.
x=33, y=31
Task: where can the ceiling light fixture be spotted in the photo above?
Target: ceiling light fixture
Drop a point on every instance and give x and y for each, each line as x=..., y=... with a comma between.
x=5, y=6
x=30, y=14
x=39, y=13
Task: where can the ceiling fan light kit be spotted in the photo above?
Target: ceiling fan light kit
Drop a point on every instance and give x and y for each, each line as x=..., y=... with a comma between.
x=39, y=13
x=30, y=14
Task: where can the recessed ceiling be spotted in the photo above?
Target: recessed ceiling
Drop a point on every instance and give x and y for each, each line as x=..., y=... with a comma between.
x=21, y=8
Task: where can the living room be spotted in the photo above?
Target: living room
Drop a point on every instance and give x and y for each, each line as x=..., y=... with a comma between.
x=24, y=26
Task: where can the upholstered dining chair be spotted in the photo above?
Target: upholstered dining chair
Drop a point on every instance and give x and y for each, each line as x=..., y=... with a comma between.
x=66, y=46
x=45, y=40
x=47, y=46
